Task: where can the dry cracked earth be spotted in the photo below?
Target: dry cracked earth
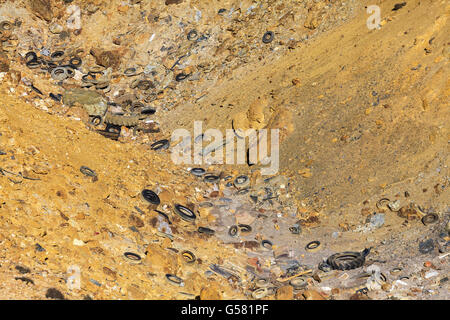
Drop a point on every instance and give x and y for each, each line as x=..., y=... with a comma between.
x=363, y=116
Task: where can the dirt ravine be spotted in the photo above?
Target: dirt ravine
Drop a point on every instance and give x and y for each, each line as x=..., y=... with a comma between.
x=363, y=116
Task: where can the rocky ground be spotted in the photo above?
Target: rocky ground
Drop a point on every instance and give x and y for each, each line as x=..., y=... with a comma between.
x=363, y=118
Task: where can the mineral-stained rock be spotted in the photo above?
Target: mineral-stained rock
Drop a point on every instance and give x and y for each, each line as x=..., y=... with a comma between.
x=106, y=58
x=42, y=8
x=4, y=62
x=285, y=293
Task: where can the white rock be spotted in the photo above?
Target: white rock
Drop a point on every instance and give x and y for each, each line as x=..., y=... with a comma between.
x=431, y=274
x=78, y=243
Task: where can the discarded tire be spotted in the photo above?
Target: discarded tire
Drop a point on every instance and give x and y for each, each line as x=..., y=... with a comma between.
x=267, y=244
x=192, y=35
x=313, y=246
x=347, y=260
x=241, y=182
x=430, y=218
x=174, y=279
x=245, y=228
x=75, y=62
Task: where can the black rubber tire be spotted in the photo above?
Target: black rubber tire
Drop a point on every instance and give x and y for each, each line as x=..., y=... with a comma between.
x=313, y=245
x=165, y=216
x=30, y=56
x=87, y=171
x=192, y=35
x=57, y=56
x=346, y=260
x=241, y=181
x=181, y=76
x=161, y=144
x=268, y=37
x=430, y=218
x=188, y=256
x=75, y=62
x=245, y=228
x=150, y=196
x=174, y=279
x=132, y=256
x=130, y=72
x=266, y=243
x=184, y=213
x=233, y=231
x=197, y=171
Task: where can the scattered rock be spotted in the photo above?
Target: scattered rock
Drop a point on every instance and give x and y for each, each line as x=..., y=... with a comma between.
x=169, y=2
x=377, y=220
x=4, y=62
x=106, y=58
x=53, y=293
x=285, y=293
x=42, y=8
x=210, y=292
x=312, y=295
x=426, y=246
x=91, y=101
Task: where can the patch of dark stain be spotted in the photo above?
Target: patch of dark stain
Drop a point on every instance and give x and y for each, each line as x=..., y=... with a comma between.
x=309, y=220
x=22, y=270
x=53, y=293
x=238, y=245
x=251, y=244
